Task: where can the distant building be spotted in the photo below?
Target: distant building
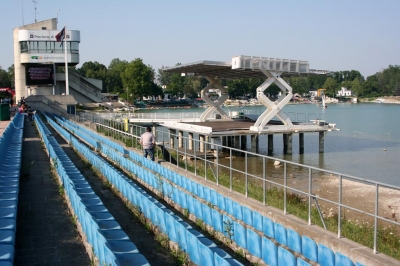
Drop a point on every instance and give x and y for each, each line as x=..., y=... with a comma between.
x=109, y=97
x=344, y=92
x=313, y=94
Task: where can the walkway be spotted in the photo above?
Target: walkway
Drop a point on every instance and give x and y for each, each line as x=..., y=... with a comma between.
x=3, y=126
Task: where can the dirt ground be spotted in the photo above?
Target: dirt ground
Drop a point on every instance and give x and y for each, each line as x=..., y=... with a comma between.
x=359, y=196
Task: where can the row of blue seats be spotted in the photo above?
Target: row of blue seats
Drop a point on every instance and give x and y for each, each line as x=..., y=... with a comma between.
x=110, y=243
x=287, y=237
x=259, y=246
x=10, y=158
x=190, y=241
x=10, y=164
x=72, y=127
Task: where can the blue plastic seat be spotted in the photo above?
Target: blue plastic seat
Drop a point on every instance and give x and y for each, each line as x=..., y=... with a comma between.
x=343, y=260
x=270, y=252
x=217, y=222
x=207, y=255
x=7, y=237
x=247, y=215
x=198, y=209
x=8, y=213
x=326, y=257
x=9, y=203
x=301, y=262
x=293, y=240
x=240, y=235
x=286, y=258
x=229, y=206
x=193, y=247
x=221, y=202
x=254, y=243
x=237, y=211
x=280, y=234
x=257, y=221
x=309, y=248
x=170, y=223
x=180, y=228
x=8, y=224
x=207, y=218
x=6, y=253
x=268, y=227
x=207, y=194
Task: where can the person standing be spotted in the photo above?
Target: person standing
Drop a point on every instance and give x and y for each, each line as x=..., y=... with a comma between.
x=147, y=140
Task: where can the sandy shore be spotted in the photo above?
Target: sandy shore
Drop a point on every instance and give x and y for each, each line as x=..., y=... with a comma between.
x=388, y=99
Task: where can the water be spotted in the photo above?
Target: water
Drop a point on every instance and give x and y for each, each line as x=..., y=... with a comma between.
x=368, y=145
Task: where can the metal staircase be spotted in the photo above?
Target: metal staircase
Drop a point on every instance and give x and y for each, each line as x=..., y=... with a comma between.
x=79, y=84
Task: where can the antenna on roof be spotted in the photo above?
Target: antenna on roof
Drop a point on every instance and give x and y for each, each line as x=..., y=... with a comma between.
x=23, y=23
x=35, y=9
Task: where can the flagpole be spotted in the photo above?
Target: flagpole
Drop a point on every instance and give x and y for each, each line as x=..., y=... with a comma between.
x=66, y=62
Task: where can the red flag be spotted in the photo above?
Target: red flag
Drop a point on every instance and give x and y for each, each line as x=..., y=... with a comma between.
x=61, y=35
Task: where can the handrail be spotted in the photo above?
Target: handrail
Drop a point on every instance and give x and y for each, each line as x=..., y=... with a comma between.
x=82, y=86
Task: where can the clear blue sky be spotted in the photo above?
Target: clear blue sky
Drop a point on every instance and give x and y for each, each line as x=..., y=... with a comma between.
x=335, y=35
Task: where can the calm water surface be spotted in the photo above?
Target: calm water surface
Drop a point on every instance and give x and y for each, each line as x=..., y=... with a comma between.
x=368, y=145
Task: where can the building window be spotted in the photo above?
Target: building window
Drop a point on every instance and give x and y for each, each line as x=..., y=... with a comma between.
x=24, y=47
x=48, y=47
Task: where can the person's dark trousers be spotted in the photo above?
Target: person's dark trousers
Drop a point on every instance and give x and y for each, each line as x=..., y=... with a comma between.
x=149, y=152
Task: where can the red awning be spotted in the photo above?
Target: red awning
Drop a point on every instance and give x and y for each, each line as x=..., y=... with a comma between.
x=9, y=90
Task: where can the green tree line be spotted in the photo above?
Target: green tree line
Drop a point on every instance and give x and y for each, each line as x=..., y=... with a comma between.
x=135, y=80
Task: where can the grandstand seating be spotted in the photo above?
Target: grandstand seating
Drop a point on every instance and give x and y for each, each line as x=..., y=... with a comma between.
x=270, y=241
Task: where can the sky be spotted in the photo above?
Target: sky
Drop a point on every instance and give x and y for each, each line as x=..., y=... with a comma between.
x=335, y=35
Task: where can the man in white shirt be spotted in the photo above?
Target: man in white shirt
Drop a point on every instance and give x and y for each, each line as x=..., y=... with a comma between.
x=147, y=140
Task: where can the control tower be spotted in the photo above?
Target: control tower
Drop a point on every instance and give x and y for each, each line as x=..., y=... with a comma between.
x=37, y=56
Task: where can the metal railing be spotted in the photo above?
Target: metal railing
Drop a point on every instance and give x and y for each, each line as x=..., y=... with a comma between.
x=348, y=198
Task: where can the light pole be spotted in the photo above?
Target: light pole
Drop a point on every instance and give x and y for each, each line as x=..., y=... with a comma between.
x=58, y=10
x=35, y=9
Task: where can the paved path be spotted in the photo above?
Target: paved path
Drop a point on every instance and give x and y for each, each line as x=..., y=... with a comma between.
x=3, y=126
x=45, y=232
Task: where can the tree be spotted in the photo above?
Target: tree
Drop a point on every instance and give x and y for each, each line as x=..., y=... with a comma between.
x=316, y=82
x=356, y=87
x=299, y=85
x=115, y=69
x=330, y=86
x=4, y=78
x=95, y=70
x=138, y=78
x=370, y=86
x=388, y=79
x=11, y=75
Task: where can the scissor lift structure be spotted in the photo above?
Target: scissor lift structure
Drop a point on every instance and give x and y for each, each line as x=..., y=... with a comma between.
x=272, y=70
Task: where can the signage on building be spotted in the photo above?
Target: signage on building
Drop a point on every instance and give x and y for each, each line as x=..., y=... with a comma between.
x=47, y=35
x=46, y=58
x=39, y=74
